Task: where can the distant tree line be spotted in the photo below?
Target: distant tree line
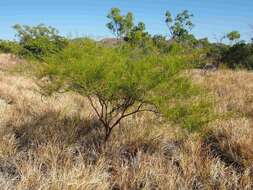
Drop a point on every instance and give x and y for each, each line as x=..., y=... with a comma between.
x=39, y=41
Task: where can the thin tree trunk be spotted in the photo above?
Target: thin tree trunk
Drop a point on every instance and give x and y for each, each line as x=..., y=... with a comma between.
x=108, y=132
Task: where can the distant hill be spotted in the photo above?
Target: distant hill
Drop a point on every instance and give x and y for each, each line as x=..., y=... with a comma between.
x=111, y=41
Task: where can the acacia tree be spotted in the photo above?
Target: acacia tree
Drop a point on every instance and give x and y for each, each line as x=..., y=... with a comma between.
x=179, y=26
x=117, y=84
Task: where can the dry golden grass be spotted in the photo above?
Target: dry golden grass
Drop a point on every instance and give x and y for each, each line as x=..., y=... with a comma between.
x=8, y=60
x=55, y=143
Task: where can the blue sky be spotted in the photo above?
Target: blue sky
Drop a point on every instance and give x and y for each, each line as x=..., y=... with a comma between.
x=76, y=18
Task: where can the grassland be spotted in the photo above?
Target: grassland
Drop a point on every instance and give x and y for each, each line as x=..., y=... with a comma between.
x=54, y=142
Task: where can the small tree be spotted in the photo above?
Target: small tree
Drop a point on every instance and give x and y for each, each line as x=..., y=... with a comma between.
x=128, y=23
x=119, y=25
x=117, y=84
x=233, y=36
x=180, y=26
x=138, y=34
x=123, y=27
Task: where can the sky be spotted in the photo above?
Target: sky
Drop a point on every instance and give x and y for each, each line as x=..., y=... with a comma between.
x=78, y=18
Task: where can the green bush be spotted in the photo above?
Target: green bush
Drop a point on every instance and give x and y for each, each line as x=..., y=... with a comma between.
x=216, y=53
x=192, y=116
x=161, y=43
x=118, y=82
x=10, y=47
x=39, y=41
x=239, y=55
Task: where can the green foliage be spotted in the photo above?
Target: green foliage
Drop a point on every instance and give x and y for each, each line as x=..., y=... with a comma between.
x=119, y=25
x=89, y=65
x=10, y=47
x=128, y=23
x=137, y=35
x=39, y=41
x=233, y=36
x=123, y=27
x=203, y=43
x=239, y=55
x=161, y=43
x=192, y=116
x=180, y=26
x=216, y=53
x=118, y=82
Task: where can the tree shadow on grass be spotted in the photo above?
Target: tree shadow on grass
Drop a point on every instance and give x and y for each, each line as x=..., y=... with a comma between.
x=217, y=146
x=51, y=127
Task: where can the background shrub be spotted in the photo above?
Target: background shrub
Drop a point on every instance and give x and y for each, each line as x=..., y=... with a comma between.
x=239, y=55
x=10, y=47
x=39, y=41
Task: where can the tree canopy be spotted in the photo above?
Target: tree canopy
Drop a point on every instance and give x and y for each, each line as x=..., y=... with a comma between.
x=124, y=27
x=179, y=26
x=117, y=83
x=233, y=36
x=119, y=25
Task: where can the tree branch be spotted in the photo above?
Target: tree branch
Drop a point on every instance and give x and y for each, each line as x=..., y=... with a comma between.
x=123, y=114
x=95, y=109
